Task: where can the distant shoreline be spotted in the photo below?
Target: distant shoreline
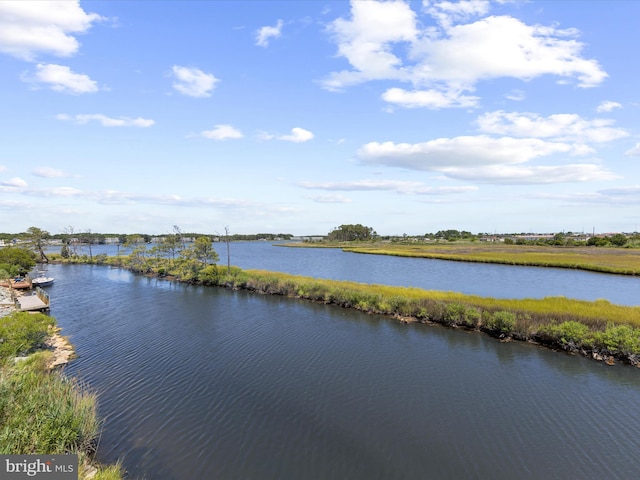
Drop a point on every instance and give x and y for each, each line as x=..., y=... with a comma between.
x=617, y=261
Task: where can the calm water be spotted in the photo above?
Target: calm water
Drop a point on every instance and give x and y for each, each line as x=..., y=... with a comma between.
x=502, y=281
x=205, y=383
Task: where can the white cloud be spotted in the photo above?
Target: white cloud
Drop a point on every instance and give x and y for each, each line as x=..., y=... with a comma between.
x=336, y=198
x=264, y=34
x=222, y=132
x=297, y=135
x=515, y=95
x=433, y=99
x=608, y=106
x=529, y=175
x=464, y=151
x=398, y=186
x=366, y=42
x=47, y=172
x=485, y=159
x=447, y=13
x=632, y=152
x=61, y=79
x=193, y=82
x=28, y=28
x=14, y=183
x=386, y=41
x=265, y=136
x=622, y=191
x=105, y=121
x=562, y=126
x=3, y=168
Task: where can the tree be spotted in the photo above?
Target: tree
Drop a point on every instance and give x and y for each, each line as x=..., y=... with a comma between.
x=88, y=238
x=171, y=244
x=72, y=240
x=350, y=233
x=204, y=252
x=16, y=260
x=37, y=241
x=619, y=240
x=226, y=237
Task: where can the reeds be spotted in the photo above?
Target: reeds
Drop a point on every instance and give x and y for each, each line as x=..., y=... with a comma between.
x=43, y=411
x=598, y=328
x=605, y=260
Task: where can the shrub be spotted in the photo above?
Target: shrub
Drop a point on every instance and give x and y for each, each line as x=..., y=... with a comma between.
x=209, y=275
x=501, y=322
x=567, y=333
x=459, y=314
x=619, y=339
x=21, y=332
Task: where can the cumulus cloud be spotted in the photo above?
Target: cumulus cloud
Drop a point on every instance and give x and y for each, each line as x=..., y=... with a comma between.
x=14, y=183
x=398, y=186
x=608, y=106
x=486, y=159
x=264, y=34
x=632, y=152
x=387, y=41
x=562, y=127
x=48, y=172
x=222, y=132
x=193, y=82
x=105, y=121
x=61, y=79
x=434, y=99
x=464, y=151
x=297, y=135
x=28, y=28
x=524, y=174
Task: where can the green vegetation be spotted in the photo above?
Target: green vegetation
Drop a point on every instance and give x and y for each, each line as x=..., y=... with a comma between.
x=599, y=329
x=351, y=233
x=15, y=261
x=42, y=411
x=606, y=260
x=22, y=333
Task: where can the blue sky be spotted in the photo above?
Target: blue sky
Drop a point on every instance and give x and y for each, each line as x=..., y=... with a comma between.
x=300, y=116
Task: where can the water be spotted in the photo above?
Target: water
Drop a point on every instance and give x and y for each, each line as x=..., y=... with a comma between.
x=500, y=281
x=203, y=383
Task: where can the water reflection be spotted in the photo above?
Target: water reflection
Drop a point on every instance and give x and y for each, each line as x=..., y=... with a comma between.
x=225, y=384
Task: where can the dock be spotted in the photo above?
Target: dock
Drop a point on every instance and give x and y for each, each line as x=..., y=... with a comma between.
x=38, y=302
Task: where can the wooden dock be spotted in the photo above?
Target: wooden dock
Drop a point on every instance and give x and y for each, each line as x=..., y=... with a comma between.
x=38, y=302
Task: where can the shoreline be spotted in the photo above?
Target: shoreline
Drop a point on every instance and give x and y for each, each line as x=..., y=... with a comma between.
x=500, y=332
x=572, y=258
x=599, y=329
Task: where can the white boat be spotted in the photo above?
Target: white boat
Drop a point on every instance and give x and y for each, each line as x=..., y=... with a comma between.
x=42, y=280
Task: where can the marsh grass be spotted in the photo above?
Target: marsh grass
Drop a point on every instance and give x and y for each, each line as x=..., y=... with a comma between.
x=624, y=261
x=574, y=325
x=22, y=332
x=609, y=330
x=43, y=411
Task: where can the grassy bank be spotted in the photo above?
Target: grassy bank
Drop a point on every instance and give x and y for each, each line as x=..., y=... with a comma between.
x=41, y=410
x=599, y=329
x=623, y=261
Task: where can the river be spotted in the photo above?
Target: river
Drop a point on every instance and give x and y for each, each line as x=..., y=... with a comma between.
x=204, y=383
x=491, y=280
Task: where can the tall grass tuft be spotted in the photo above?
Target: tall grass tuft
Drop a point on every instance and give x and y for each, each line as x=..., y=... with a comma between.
x=44, y=413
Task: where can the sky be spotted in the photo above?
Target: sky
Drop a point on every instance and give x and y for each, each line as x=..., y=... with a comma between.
x=300, y=116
